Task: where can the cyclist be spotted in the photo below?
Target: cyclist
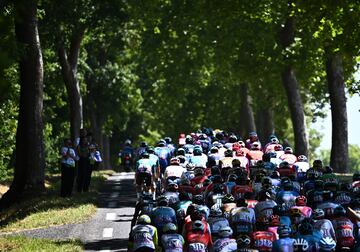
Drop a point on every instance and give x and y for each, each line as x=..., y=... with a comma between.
x=143, y=236
x=225, y=243
x=144, y=174
x=171, y=241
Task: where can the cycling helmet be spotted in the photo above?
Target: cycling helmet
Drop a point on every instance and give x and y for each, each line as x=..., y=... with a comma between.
x=150, y=150
x=242, y=144
x=305, y=228
x=274, y=140
x=196, y=215
x=243, y=241
x=288, y=150
x=300, y=244
x=288, y=186
x=197, y=152
x=275, y=175
x=327, y=244
x=161, y=143
x=198, y=226
x=144, y=219
x=169, y=228
x=284, y=164
x=180, y=152
x=278, y=147
x=318, y=214
x=175, y=161
x=228, y=198
x=255, y=146
x=328, y=169
x=172, y=187
x=232, y=178
x=189, y=139
x=319, y=184
x=198, y=171
x=356, y=176
x=228, y=153
x=236, y=163
x=347, y=187
x=317, y=164
x=214, y=149
x=198, y=199
x=225, y=232
x=143, y=144
x=202, y=136
x=295, y=212
x=218, y=189
x=284, y=231
x=302, y=158
x=266, y=181
x=232, y=139
x=274, y=220
x=168, y=140
x=145, y=155
x=339, y=211
x=162, y=201
x=301, y=200
x=127, y=142
x=215, y=211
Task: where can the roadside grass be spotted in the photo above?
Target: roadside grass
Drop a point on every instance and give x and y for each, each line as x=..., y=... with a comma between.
x=20, y=243
x=49, y=209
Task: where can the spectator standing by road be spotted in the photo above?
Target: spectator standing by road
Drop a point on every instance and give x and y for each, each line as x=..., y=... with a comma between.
x=68, y=157
x=83, y=165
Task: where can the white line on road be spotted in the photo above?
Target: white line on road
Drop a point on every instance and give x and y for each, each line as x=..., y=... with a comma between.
x=105, y=250
x=111, y=216
x=117, y=187
x=108, y=232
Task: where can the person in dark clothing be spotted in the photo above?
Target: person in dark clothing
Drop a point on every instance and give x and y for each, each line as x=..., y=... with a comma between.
x=84, y=169
x=68, y=157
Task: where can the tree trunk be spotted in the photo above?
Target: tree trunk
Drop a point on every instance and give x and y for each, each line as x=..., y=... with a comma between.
x=106, y=152
x=339, y=145
x=68, y=64
x=286, y=36
x=30, y=162
x=264, y=123
x=246, y=111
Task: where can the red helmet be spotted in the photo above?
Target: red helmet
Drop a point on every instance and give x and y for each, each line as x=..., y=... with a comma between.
x=275, y=220
x=175, y=161
x=301, y=200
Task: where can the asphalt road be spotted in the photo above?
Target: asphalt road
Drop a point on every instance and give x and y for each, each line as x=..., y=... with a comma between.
x=109, y=229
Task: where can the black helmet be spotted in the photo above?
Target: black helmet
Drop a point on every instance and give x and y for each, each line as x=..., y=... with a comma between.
x=328, y=169
x=198, y=199
x=305, y=228
x=232, y=139
x=168, y=140
x=145, y=155
x=228, y=153
x=162, y=201
x=339, y=211
x=143, y=144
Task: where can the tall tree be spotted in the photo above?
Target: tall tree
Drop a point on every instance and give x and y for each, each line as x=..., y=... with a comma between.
x=29, y=164
x=290, y=83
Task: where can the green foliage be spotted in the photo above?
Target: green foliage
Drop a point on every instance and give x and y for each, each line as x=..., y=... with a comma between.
x=354, y=157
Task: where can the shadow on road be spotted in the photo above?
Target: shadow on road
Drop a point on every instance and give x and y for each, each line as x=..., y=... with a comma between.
x=112, y=244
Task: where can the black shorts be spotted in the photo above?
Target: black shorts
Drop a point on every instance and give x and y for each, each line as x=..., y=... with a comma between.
x=143, y=177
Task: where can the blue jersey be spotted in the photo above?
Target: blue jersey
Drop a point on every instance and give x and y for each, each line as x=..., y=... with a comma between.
x=164, y=157
x=287, y=198
x=162, y=215
x=225, y=245
x=199, y=160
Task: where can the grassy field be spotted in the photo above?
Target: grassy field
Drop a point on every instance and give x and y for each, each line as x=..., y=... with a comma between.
x=22, y=244
x=49, y=209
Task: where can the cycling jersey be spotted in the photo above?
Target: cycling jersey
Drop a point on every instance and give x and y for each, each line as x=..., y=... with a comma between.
x=174, y=171
x=290, y=158
x=173, y=197
x=216, y=223
x=199, y=161
x=242, y=220
x=325, y=227
x=328, y=208
x=264, y=209
x=161, y=215
x=344, y=231
x=172, y=242
x=238, y=191
x=263, y=240
x=225, y=245
x=143, y=236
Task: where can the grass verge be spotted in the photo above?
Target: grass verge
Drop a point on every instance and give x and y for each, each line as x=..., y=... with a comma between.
x=19, y=243
x=49, y=209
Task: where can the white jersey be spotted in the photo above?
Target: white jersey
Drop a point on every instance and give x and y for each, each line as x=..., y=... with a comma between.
x=142, y=236
x=325, y=227
x=174, y=171
x=301, y=166
x=225, y=245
